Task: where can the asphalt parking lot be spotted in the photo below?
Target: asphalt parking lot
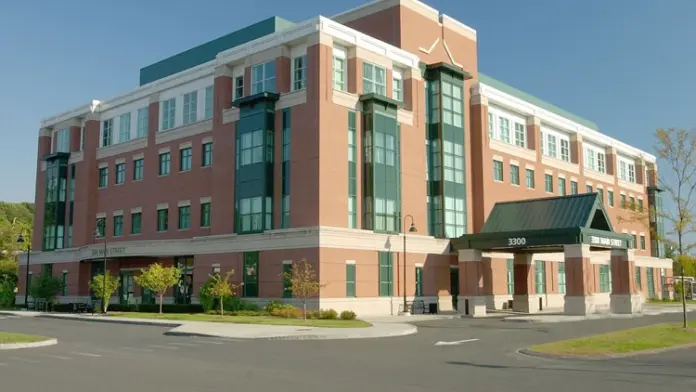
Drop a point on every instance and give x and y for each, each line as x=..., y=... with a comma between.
x=446, y=355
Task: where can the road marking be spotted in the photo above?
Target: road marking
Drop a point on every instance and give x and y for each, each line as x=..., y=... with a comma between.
x=208, y=342
x=87, y=354
x=183, y=344
x=3, y=364
x=457, y=342
x=12, y=317
x=145, y=350
x=158, y=346
x=55, y=356
x=24, y=359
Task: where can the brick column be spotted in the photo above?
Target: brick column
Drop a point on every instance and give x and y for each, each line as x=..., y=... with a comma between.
x=534, y=135
x=625, y=298
x=470, y=284
x=579, y=280
x=524, y=298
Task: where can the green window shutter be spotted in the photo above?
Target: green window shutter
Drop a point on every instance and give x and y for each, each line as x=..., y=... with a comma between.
x=350, y=280
x=419, y=281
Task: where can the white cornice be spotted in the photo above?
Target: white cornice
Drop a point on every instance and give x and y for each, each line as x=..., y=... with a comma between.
x=525, y=108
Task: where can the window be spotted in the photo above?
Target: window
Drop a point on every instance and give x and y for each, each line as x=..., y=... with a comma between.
x=604, y=285
x=640, y=205
x=562, y=186
x=453, y=162
x=124, y=127
x=238, y=87
x=385, y=148
x=634, y=241
x=62, y=140
x=287, y=283
x=452, y=105
x=385, y=215
x=514, y=174
x=530, y=178
x=561, y=278
x=339, y=69
x=263, y=77
x=163, y=220
x=136, y=223
x=548, y=183
x=103, y=177
x=540, y=277
x=491, y=126
x=164, y=163
x=120, y=173
x=510, y=276
x=143, y=121
x=64, y=284
x=504, y=128
x=565, y=150
x=573, y=187
x=520, y=135
x=637, y=279
x=455, y=218
x=209, y=102
x=374, y=79
x=610, y=198
x=551, y=145
x=600, y=192
x=650, y=277
x=138, y=169
x=250, y=217
x=350, y=280
x=642, y=242
x=250, y=275
x=207, y=156
x=497, y=170
x=168, y=114
x=588, y=188
x=118, y=226
x=419, y=281
x=595, y=160
x=627, y=171
x=184, y=217
x=352, y=173
x=190, y=107
x=386, y=274
x=205, y=214
x=107, y=132
x=397, y=85
x=251, y=148
x=299, y=73
x=185, y=159
x=623, y=201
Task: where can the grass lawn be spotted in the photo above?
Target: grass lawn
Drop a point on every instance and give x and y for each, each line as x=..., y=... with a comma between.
x=8, y=337
x=264, y=320
x=625, y=341
x=671, y=303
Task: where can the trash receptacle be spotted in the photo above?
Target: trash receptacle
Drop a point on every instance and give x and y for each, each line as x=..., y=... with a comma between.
x=432, y=308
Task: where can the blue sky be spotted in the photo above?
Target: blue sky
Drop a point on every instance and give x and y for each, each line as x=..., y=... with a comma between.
x=625, y=64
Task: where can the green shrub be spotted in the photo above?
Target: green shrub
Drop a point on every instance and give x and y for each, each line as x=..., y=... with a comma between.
x=273, y=305
x=348, y=315
x=235, y=304
x=314, y=315
x=206, y=299
x=287, y=311
x=328, y=314
x=247, y=313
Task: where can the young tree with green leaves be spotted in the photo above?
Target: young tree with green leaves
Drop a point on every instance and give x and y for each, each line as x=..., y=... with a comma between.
x=221, y=288
x=158, y=279
x=304, y=283
x=104, y=292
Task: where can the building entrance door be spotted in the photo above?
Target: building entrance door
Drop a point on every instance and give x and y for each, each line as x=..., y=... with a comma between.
x=454, y=286
x=126, y=289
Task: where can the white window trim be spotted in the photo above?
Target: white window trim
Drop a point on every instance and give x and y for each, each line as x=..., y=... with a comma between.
x=560, y=135
x=629, y=163
x=341, y=53
x=293, y=69
x=264, y=77
x=398, y=74
x=598, y=151
x=512, y=119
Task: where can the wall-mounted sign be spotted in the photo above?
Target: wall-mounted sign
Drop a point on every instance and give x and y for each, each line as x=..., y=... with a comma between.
x=109, y=251
x=517, y=241
x=596, y=240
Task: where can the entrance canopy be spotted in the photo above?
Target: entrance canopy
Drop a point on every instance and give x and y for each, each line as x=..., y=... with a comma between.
x=545, y=225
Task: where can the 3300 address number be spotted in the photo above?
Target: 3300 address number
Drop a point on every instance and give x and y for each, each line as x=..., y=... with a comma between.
x=517, y=241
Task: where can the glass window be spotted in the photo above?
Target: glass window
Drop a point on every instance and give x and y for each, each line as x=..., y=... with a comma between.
x=385, y=215
x=623, y=201
x=419, y=281
x=263, y=77
x=250, y=148
x=514, y=174
x=339, y=70
x=120, y=173
x=64, y=284
x=162, y=220
x=455, y=216
x=530, y=178
x=520, y=135
x=124, y=127
x=299, y=73
x=453, y=162
x=118, y=226
x=604, y=285
x=540, y=276
x=565, y=150
x=164, y=163
x=143, y=121
x=510, y=276
x=168, y=114
x=504, y=129
x=385, y=148
x=573, y=187
x=138, y=169
x=642, y=242
x=551, y=146
x=452, y=105
x=374, y=79
x=250, y=275
x=238, y=87
x=548, y=183
x=136, y=222
x=561, y=278
x=107, y=132
x=190, y=107
x=562, y=186
x=498, y=170
x=285, y=218
x=588, y=189
x=637, y=279
x=386, y=274
x=397, y=85
x=185, y=155
x=610, y=198
x=491, y=126
x=209, y=102
x=207, y=156
x=205, y=215
x=640, y=205
x=350, y=280
x=600, y=192
x=184, y=217
x=250, y=215
x=103, y=177
x=62, y=140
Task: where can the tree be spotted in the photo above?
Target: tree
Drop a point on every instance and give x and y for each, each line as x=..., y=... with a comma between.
x=221, y=288
x=678, y=149
x=303, y=283
x=158, y=279
x=45, y=287
x=103, y=292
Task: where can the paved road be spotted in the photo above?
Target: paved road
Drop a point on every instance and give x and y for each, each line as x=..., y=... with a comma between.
x=114, y=357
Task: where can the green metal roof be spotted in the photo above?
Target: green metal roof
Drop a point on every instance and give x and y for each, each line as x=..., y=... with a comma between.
x=535, y=101
x=207, y=51
x=552, y=213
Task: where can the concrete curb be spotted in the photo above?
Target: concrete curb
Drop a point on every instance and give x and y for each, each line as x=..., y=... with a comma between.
x=15, y=346
x=114, y=320
x=605, y=357
x=405, y=332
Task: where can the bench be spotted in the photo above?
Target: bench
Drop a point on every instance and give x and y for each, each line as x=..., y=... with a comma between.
x=418, y=307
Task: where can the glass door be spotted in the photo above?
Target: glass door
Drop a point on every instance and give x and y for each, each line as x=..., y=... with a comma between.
x=126, y=290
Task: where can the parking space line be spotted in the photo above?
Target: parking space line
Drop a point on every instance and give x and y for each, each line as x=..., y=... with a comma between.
x=208, y=342
x=87, y=354
x=183, y=344
x=144, y=350
x=56, y=356
x=24, y=359
x=167, y=347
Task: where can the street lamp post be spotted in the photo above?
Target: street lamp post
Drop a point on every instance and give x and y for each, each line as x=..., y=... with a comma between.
x=97, y=234
x=411, y=229
x=21, y=240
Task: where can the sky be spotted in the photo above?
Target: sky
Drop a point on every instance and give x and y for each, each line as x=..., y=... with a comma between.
x=627, y=65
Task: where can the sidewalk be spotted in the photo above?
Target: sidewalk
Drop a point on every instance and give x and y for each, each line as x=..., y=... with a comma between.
x=385, y=328
x=648, y=310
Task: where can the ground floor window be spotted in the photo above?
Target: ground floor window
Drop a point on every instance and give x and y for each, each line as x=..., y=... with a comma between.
x=184, y=289
x=561, y=278
x=604, y=281
x=64, y=282
x=651, y=282
x=251, y=274
x=287, y=283
x=510, y=276
x=386, y=274
x=419, y=281
x=540, y=276
x=350, y=280
x=637, y=278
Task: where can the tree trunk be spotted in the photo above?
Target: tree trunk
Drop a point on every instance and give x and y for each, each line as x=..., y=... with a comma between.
x=304, y=310
x=222, y=311
x=683, y=291
x=161, y=298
